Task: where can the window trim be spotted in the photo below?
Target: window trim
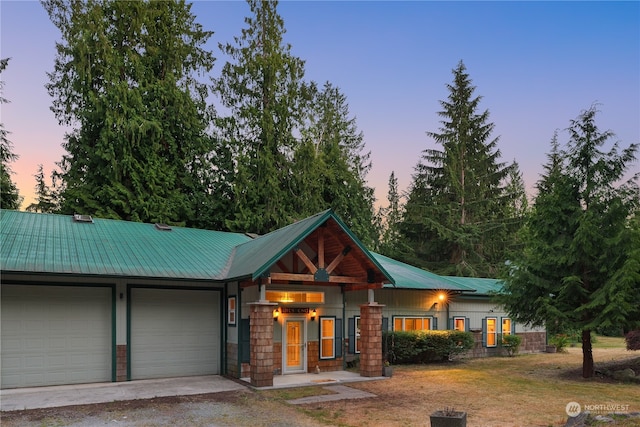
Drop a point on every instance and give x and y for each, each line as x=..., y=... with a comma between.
x=464, y=323
x=322, y=339
x=232, y=310
x=494, y=333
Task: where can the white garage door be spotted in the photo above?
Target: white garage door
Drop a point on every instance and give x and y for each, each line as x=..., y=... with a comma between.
x=174, y=333
x=55, y=335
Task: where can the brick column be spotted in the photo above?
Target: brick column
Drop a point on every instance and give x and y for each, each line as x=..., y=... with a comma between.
x=261, y=341
x=371, y=340
x=121, y=362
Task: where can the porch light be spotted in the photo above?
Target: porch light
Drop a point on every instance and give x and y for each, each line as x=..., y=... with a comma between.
x=276, y=313
x=313, y=315
x=442, y=296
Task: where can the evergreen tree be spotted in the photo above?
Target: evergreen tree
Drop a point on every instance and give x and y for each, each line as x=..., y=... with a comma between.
x=580, y=269
x=9, y=195
x=261, y=88
x=125, y=80
x=331, y=164
x=46, y=198
x=456, y=215
x=391, y=244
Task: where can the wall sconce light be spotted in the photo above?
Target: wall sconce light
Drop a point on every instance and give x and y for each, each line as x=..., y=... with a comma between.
x=442, y=296
x=276, y=313
x=313, y=315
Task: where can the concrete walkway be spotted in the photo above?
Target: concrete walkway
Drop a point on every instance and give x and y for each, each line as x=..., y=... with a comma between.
x=341, y=392
x=82, y=394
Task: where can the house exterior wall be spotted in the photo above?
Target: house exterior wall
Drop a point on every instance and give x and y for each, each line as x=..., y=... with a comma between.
x=422, y=303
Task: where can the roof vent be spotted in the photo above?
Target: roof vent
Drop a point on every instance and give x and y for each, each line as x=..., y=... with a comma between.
x=163, y=227
x=82, y=218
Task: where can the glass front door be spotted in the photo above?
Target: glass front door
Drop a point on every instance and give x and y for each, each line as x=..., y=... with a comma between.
x=295, y=344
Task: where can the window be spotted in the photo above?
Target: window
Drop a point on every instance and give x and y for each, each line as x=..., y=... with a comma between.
x=231, y=310
x=491, y=331
x=412, y=323
x=357, y=334
x=506, y=326
x=459, y=324
x=327, y=337
x=295, y=297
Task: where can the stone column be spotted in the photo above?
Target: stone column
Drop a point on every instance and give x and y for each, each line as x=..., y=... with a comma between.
x=371, y=340
x=261, y=342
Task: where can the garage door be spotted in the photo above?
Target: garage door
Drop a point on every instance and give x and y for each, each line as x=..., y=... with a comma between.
x=55, y=335
x=174, y=333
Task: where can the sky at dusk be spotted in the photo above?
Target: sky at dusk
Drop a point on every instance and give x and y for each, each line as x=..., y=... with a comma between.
x=537, y=65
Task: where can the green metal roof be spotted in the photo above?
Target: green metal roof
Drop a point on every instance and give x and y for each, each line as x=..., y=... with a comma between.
x=254, y=258
x=55, y=244
x=410, y=277
x=481, y=285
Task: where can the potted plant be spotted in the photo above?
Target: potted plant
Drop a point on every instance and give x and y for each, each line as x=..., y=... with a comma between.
x=387, y=370
x=448, y=417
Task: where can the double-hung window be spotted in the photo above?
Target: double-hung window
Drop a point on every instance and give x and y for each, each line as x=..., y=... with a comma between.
x=491, y=331
x=327, y=338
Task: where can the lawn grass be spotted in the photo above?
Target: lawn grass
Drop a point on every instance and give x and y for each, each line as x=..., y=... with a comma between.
x=526, y=390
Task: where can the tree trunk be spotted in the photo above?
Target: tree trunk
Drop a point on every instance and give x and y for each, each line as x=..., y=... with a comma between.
x=587, y=354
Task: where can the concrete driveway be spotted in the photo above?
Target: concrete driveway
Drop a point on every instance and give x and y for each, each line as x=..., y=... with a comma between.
x=80, y=394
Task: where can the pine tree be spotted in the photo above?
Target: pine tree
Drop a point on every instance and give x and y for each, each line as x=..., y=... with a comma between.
x=46, y=197
x=581, y=265
x=391, y=244
x=125, y=79
x=9, y=196
x=456, y=215
x=261, y=87
x=331, y=164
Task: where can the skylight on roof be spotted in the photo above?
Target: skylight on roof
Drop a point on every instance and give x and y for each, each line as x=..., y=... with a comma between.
x=163, y=227
x=82, y=218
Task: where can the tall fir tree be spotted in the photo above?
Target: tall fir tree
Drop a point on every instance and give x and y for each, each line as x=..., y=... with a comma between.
x=391, y=242
x=456, y=216
x=9, y=195
x=125, y=80
x=46, y=200
x=261, y=89
x=580, y=267
x=331, y=164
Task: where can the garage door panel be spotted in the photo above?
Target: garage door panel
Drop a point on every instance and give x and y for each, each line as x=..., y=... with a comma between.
x=55, y=335
x=174, y=332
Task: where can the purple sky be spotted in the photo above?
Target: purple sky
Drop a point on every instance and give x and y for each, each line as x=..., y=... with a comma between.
x=537, y=65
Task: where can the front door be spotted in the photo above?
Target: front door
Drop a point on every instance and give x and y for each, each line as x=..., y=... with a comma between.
x=295, y=344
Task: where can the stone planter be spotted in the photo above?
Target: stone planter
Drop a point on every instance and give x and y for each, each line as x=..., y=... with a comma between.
x=387, y=371
x=449, y=419
x=551, y=349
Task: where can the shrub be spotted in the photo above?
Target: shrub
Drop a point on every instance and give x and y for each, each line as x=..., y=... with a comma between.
x=425, y=346
x=560, y=342
x=511, y=343
x=633, y=340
